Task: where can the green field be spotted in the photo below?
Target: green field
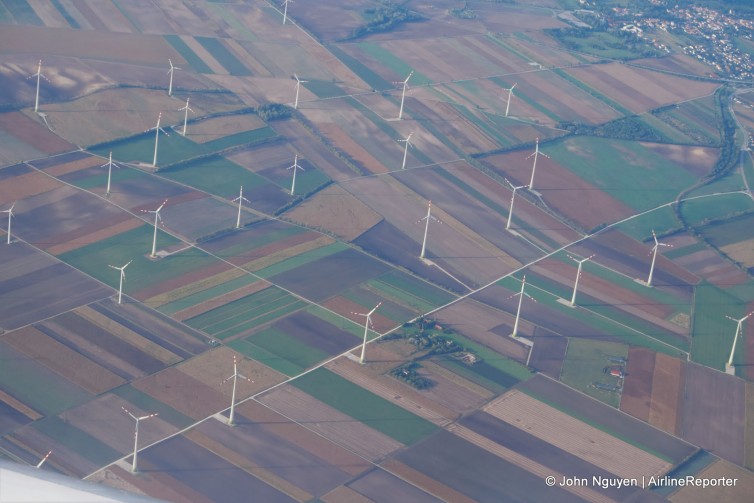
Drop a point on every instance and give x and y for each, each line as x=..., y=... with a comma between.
x=584, y=363
x=171, y=149
x=532, y=102
x=246, y=313
x=100, y=180
x=301, y=259
x=730, y=231
x=339, y=321
x=593, y=92
x=713, y=332
x=216, y=175
x=189, y=55
x=631, y=173
x=77, y=440
x=260, y=240
x=23, y=12
x=364, y=406
x=393, y=63
x=249, y=137
x=149, y=403
x=364, y=73
x=702, y=211
x=207, y=294
x=135, y=245
x=286, y=348
x=223, y=56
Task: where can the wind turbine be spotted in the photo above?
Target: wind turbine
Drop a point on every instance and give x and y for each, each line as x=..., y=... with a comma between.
x=510, y=94
x=295, y=166
x=38, y=75
x=185, y=116
x=42, y=461
x=520, y=300
x=654, y=256
x=156, y=217
x=426, y=227
x=235, y=377
x=109, y=165
x=171, y=71
x=578, y=275
x=513, y=199
x=298, y=86
x=9, y=211
x=240, y=200
x=285, y=10
x=122, y=278
x=367, y=324
x=403, y=93
x=535, y=154
x=408, y=143
x=729, y=365
x=134, y=468
x=157, y=130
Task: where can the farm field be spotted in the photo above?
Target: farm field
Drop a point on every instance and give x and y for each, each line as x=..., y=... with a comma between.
x=253, y=273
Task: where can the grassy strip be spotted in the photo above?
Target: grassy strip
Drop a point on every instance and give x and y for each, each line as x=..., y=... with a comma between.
x=236, y=307
x=188, y=54
x=278, y=310
x=364, y=406
x=302, y=259
x=150, y=404
x=223, y=56
x=206, y=294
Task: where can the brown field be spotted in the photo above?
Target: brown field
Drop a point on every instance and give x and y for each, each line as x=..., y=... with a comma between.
x=430, y=485
x=394, y=391
x=640, y=90
x=49, y=15
x=330, y=423
x=213, y=367
x=636, y=397
x=33, y=132
x=80, y=237
x=749, y=427
x=347, y=308
x=667, y=389
x=677, y=62
x=19, y=406
x=343, y=494
x=740, y=252
x=301, y=436
x=713, y=414
x=742, y=490
x=31, y=445
x=347, y=144
x=104, y=419
x=156, y=484
x=576, y=437
x=185, y=291
x=335, y=210
x=182, y=281
x=77, y=164
x=477, y=321
x=452, y=390
x=209, y=305
x=548, y=353
x=185, y=394
x=139, y=48
x=332, y=20
x=69, y=364
x=212, y=129
x=26, y=184
x=278, y=251
x=709, y=265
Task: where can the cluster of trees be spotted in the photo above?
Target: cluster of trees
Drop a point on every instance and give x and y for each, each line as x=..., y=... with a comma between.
x=729, y=153
x=274, y=111
x=626, y=128
x=408, y=374
x=385, y=18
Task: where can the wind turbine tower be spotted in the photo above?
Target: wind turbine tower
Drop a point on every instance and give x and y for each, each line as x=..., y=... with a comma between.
x=235, y=377
x=122, y=278
x=240, y=200
x=285, y=10
x=42, y=461
x=157, y=130
x=109, y=165
x=535, y=154
x=295, y=166
x=134, y=467
x=426, y=228
x=171, y=71
x=654, y=256
x=367, y=324
x=9, y=211
x=408, y=143
x=298, y=86
x=729, y=368
x=156, y=218
x=403, y=93
x=187, y=109
x=510, y=94
x=39, y=76
x=520, y=301
x=513, y=199
x=578, y=275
